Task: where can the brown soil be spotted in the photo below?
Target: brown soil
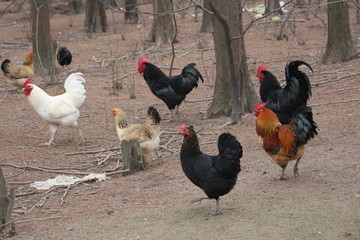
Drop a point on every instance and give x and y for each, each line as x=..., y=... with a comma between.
x=323, y=203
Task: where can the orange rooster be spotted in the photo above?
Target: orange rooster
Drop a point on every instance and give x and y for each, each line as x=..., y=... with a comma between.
x=285, y=142
x=18, y=74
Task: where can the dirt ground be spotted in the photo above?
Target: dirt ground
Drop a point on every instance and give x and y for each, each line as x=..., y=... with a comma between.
x=323, y=203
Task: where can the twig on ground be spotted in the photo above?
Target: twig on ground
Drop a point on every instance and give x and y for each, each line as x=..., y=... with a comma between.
x=336, y=102
x=42, y=169
x=91, y=152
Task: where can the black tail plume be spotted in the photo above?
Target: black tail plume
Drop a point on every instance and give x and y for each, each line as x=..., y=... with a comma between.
x=154, y=114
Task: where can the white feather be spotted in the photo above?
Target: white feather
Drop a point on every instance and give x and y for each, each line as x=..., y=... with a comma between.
x=61, y=109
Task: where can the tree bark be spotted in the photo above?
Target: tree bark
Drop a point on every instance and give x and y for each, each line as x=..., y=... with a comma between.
x=42, y=44
x=133, y=158
x=163, y=30
x=271, y=5
x=6, y=208
x=131, y=17
x=95, y=17
x=222, y=103
x=206, y=24
x=75, y=7
x=340, y=46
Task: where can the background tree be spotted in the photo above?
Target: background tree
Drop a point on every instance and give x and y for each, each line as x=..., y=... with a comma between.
x=95, y=16
x=7, y=201
x=222, y=100
x=271, y=5
x=42, y=44
x=340, y=46
x=131, y=16
x=206, y=24
x=163, y=30
x=75, y=7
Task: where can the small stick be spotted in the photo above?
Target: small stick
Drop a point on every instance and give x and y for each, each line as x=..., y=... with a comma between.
x=90, y=152
x=336, y=102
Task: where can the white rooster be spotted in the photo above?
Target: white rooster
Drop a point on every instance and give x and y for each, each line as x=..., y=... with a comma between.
x=58, y=110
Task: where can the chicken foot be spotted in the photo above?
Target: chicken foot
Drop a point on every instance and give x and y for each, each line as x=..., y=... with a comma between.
x=199, y=199
x=282, y=176
x=81, y=136
x=296, y=168
x=217, y=208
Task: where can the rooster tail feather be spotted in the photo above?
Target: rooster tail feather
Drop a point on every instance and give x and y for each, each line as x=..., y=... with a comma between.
x=74, y=87
x=154, y=115
x=303, y=125
x=5, y=66
x=192, y=70
x=230, y=150
x=292, y=70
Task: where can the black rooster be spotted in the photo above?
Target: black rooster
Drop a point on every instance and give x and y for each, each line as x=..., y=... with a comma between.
x=172, y=90
x=284, y=101
x=63, y=56
x=216, y=175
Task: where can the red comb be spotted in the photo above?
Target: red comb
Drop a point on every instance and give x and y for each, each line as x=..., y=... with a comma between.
x=29, y=81
x=182, y=127
x=259, y=105
x=261, y=68
x=142, y=60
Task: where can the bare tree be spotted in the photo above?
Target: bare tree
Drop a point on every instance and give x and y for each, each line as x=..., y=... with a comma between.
x=163, y=30
x=6, y=207
x=271, y=5
x=43, y=46
x=75, y=7
x=95, y=17
x=206, y=24
x=340, y=46
x=233, y=93
x=131, y=16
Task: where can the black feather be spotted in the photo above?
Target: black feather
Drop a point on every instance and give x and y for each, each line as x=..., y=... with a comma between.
x=154, y=114
x=172, y=90
x=64, y=56
x=296, y=93
x=216, y=175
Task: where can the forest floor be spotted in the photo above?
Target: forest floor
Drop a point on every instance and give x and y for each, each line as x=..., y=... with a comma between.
x=323, y=203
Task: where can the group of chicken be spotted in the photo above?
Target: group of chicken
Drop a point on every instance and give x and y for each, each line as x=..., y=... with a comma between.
x=284, y=123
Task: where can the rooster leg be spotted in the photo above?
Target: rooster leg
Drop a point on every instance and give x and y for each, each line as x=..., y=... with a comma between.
x=157, y=154
x=282, y=177
x=217, y=209
x=171, y=115
x=296, y=169
x=177, y=109
x=199, y=199
x=81, y=135
x=53, y=130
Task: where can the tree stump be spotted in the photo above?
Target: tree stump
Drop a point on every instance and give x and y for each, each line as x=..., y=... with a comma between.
x=6, y=207
x=133, y=158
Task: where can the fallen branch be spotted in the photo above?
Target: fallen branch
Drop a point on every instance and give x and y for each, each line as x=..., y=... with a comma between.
x=42, y=169
x=336, y=79
x=336, y=102
x=91, y=152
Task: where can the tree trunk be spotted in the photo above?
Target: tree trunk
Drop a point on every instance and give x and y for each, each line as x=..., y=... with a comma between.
x=75, y=7
x=42, y=44
x=271, y=5
x=206, y=24
x=339, y=45
x=133, y=157
x=163, y=30
x=222, y=99
x=95, y=17
x=131, y=17
x=357, y=12
x=6, y=208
